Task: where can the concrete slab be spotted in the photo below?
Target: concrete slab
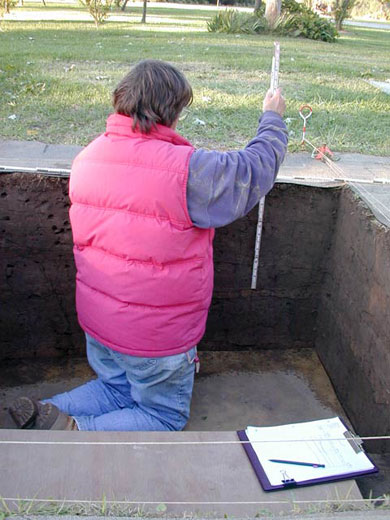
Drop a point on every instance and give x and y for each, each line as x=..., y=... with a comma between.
x=377, y=197
x=21, y=150
x=33, y=154
x=369, y=24
x=177, y=472
x=357, y=167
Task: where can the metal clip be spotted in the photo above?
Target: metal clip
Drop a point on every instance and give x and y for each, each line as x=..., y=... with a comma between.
x=354, y=441
x=286, y=480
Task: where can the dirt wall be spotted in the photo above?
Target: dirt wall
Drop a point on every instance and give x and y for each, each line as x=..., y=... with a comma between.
x=282, y=312
x=37, y=316
x=354, y=317
x=37, y=272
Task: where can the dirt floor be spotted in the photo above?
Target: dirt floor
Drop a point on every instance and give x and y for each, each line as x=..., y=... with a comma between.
x=232, y=390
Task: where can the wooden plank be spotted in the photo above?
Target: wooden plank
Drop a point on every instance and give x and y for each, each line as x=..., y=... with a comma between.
x=196, y=479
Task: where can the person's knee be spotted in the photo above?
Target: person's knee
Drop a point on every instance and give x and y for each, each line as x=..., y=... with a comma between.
x=176, y=422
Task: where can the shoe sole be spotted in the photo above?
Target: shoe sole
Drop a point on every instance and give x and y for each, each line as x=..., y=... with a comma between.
x=51, y=418
x=24, y=411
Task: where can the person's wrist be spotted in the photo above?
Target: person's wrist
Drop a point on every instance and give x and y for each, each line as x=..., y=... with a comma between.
x=272, y=111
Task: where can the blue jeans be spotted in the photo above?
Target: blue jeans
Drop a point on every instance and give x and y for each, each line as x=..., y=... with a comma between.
x=131, y=393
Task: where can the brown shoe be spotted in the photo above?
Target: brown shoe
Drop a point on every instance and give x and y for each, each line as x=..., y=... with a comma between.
x=28, y=413
x=51, y=418
x=24, y=412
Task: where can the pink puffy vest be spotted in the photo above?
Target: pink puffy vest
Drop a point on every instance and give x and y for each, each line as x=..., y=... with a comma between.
x=144, y=271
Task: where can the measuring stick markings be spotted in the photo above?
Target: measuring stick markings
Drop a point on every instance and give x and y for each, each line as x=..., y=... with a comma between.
x=274, y=85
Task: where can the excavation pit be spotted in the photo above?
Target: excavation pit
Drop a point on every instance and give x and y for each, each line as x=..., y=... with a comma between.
x=312, y=341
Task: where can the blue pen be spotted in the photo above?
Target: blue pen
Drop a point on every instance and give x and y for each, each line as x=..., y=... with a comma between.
x=310, y=464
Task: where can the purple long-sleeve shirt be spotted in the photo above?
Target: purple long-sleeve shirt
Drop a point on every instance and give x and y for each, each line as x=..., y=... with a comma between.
x=224, y=186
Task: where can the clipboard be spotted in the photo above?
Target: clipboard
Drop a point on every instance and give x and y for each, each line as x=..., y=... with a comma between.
x=287, y=480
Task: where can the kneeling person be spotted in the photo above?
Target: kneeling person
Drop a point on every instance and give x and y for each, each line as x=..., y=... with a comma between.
x=144, y=207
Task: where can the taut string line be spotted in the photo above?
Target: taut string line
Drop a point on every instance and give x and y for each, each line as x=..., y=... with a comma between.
x=167, y=502
x=186, y=443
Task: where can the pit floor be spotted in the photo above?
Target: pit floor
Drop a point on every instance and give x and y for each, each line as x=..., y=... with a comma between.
x=232, y=390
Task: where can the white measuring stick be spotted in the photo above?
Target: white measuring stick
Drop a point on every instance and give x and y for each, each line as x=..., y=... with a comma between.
x=259, y=228
x=275, y=68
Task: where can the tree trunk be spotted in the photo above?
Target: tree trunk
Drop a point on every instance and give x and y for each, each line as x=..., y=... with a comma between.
x=143, y=19
x=124, y=5
x=272, y=11
x=258, y=4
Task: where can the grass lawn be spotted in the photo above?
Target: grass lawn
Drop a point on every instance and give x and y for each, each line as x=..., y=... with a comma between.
x=56, y=77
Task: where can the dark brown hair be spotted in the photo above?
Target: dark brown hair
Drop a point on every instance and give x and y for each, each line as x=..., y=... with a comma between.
x=152, y=92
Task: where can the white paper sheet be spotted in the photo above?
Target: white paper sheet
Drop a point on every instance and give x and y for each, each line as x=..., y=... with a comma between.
x=338, y=456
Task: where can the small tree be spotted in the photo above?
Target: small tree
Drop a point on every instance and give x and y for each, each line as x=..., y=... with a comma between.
x=98, y=9
x=6, y=6
x=272, y=11
x=258, y=5
x=341, y=9
x=124, y=5
x=144, y=6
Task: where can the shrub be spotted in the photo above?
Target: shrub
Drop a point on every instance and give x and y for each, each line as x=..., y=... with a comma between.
x=98, y=9
x=231, y=21
x=295, y=20
x=291, y=6
x=306, y=25
x=341, y=9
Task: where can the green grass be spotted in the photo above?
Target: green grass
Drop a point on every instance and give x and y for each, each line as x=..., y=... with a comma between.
x=57, y=78
x=111, y=508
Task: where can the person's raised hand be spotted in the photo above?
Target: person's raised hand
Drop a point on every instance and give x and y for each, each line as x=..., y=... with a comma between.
x=274, y=102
